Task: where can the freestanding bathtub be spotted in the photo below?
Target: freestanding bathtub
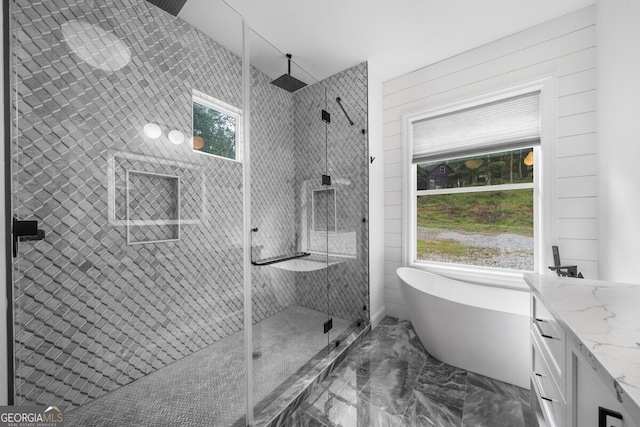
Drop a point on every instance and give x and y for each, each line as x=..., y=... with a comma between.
x=479, y=328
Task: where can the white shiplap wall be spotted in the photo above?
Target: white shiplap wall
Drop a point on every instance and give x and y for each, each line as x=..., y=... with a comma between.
x=563, y=48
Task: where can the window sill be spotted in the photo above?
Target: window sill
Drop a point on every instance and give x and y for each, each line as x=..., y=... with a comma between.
x=499, y=278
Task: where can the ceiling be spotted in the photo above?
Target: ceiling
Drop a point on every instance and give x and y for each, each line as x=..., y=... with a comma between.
x=396, y=37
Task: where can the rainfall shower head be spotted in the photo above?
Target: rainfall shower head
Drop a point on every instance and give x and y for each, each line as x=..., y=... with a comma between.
x=287, y=81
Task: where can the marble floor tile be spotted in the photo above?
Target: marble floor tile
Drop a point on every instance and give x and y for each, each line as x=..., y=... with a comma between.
x=391, y=384
x=390, y=380
x=423, y=411
x=352, y=375
x=335, y=396
x=493, y=385
x=529, y=416
x=329, y=409
x=524, y=395
x=485, y=408
x=370, y=355
x=303, y=419
x=444, y=386
x=365, y=413
x=528, y=413
x=332, y=410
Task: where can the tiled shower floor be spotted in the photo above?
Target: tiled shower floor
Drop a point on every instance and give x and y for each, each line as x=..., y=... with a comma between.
x=207, y=388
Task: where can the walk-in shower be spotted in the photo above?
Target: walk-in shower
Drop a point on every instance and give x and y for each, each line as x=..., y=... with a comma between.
x=135, y=308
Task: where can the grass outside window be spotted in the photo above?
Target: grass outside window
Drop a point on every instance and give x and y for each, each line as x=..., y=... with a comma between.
x=490, y=228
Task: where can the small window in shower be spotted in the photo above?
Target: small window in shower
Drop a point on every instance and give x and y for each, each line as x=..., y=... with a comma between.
x=217, y=127
x=324, y=210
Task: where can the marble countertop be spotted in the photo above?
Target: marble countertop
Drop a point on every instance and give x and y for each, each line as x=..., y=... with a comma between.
x=603, y=321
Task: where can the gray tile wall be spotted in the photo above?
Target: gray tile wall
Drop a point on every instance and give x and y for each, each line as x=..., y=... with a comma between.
x=93, y=313
x=273, y=200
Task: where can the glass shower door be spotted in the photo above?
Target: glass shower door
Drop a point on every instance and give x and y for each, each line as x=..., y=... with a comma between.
x=132, y=272
x=288, y=289
x=348, y=165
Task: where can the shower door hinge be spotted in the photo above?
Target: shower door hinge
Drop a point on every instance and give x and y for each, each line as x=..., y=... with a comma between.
x=25, y=231
x=326, y=117
x=326, y=179
x=328, y=325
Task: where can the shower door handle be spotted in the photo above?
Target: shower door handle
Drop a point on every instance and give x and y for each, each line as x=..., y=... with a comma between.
x=24, y=231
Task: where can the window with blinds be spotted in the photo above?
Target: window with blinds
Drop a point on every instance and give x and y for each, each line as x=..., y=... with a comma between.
x=500, y=125
x=474, y=185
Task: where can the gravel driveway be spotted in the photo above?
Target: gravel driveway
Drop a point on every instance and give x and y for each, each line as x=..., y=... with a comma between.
x=513, y=251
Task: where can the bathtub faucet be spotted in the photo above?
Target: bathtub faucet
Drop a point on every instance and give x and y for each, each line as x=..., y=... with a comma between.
x=563, y=270
x=566, y=270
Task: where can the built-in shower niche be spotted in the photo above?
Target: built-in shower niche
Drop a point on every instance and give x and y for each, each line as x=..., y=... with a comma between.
x=323, y=218
x=152, y=207
x=327, y=227
x=153, y=198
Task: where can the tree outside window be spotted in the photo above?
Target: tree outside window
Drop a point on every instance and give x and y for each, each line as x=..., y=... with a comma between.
x=215, y=127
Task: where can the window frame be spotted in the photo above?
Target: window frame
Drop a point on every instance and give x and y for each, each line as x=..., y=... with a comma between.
x=224, y=108
x=542, y=188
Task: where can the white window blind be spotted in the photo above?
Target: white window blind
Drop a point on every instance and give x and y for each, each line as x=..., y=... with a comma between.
x=504, y=124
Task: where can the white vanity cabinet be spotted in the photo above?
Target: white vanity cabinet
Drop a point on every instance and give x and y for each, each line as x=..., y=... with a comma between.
x=568, y=387
x=589, y=393
x=548, y=377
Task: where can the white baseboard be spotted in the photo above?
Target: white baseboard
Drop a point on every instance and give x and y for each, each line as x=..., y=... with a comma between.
x=397, y=310
x=378, y=316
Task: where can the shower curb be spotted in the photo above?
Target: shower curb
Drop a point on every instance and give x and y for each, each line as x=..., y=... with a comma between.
x=276, y=413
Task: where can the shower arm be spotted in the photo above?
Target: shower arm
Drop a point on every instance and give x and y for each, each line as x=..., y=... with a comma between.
x=344, y=111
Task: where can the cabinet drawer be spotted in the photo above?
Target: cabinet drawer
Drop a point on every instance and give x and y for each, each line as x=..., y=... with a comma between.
x=551, y=337
x=549, y=396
